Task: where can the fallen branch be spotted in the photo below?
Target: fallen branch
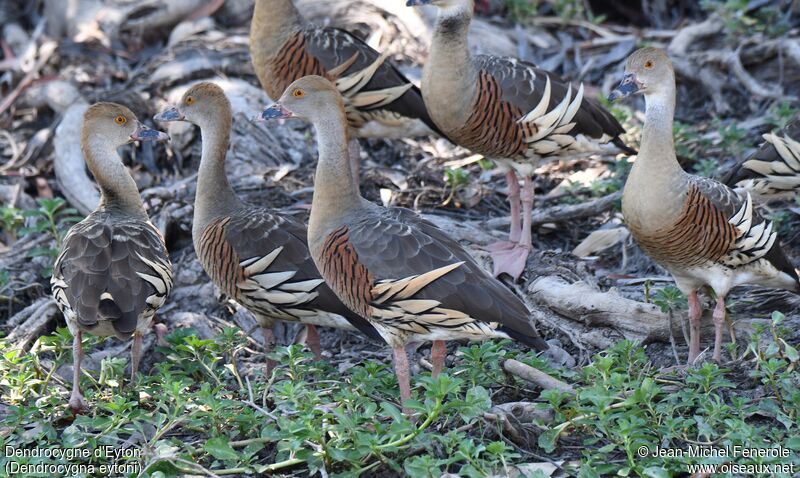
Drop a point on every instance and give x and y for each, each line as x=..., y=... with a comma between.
x=533, y=375
x=566, y=212
x=31, y=322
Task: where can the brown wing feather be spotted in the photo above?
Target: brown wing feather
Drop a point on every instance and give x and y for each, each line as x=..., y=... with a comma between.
x=492, y=127
x=291, y=62
x=393, y=244
x=701, y=234
x=349, y=277
x=112, y=268
x=522, y=85
x=247, y=237
x=778, y=166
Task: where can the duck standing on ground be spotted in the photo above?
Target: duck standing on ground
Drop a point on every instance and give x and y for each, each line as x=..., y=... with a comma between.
x=509, y=111
x=400, y=272
x=773, y=171
x=113, y=272
x=257, y=256
x=698, y=229
x=379, y=100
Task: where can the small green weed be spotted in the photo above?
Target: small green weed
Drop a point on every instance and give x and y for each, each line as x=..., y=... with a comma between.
x=52, y=217
x=454, y=178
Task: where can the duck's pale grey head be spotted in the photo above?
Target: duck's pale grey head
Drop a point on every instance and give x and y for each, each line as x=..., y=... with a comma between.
x=201, y=102
x=646, y=71
x=307, y=98
x=117, y=124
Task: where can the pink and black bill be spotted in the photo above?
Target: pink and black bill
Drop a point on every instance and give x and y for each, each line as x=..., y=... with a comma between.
x=627, y=87
x=171, y=114
x=143, y=133
x=276, y=111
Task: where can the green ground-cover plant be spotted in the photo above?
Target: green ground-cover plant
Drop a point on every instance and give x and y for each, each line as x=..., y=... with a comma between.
x=196, y=412
x=51, y=217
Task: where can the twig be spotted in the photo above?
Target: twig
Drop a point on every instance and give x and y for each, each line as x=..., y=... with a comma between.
x=567, y=212
x=253, y=404
x=45, y=51
x=545, y=381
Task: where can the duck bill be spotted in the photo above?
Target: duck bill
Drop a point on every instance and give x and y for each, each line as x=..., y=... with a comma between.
x=171, y=114
x=627, y=87
x=276, y=111
x=143, y=133
x=416, y=3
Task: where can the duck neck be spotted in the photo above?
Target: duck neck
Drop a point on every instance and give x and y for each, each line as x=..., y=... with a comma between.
x=118, y=190
x=273, y=22
x=449, y=79
x=653, y=195
x=657, y=159
x=214, y=197
x=335, y=190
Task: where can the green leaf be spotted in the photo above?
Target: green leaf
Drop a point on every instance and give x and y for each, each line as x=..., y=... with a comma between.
x=656, y=472
x=790, y=352
x=220, y=448
x=547, y=440
x=392, y=411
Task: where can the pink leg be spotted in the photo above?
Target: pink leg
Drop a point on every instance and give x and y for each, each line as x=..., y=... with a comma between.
x=136, y=355
x=161, y=332
x=512, y=262
x=269, y=341
x=354, y=151
x=515, y=229
x=694, y=326
x=403, y=375
x=719, y=323
x=312, y=340
x=526, y=240
x=513, y=199
x=438, y=353
x=76, y=402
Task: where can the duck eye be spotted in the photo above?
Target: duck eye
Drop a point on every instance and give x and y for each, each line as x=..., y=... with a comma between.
x=120, y=119
x=189, y=100
x=648, y=64
x=298, y=93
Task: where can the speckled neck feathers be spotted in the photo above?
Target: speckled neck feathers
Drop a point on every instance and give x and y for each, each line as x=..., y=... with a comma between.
x=656, y=188
x=273, y=23
x=117, y=187
x=449, y=78
x=335, y=191
x=214, y=197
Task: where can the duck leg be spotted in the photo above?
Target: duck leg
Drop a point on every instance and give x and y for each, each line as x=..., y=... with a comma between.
x=694, y=326
x=515, y=229
x=76, y=402
x=438, y=354
x=403, y=375
x=719, y=323
x=354, y=151
x=136, y=355
x=513, y=261
x=312, y=340
x=269, y=341
x=161, y=332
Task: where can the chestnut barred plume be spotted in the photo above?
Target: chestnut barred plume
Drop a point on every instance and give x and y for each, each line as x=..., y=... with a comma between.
x=258, y=257
x=511, y=112
x=700, y=230
x=380, y=101
x=401, y=273
x=113, y=272
x=415, y=283
x=773, y=171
